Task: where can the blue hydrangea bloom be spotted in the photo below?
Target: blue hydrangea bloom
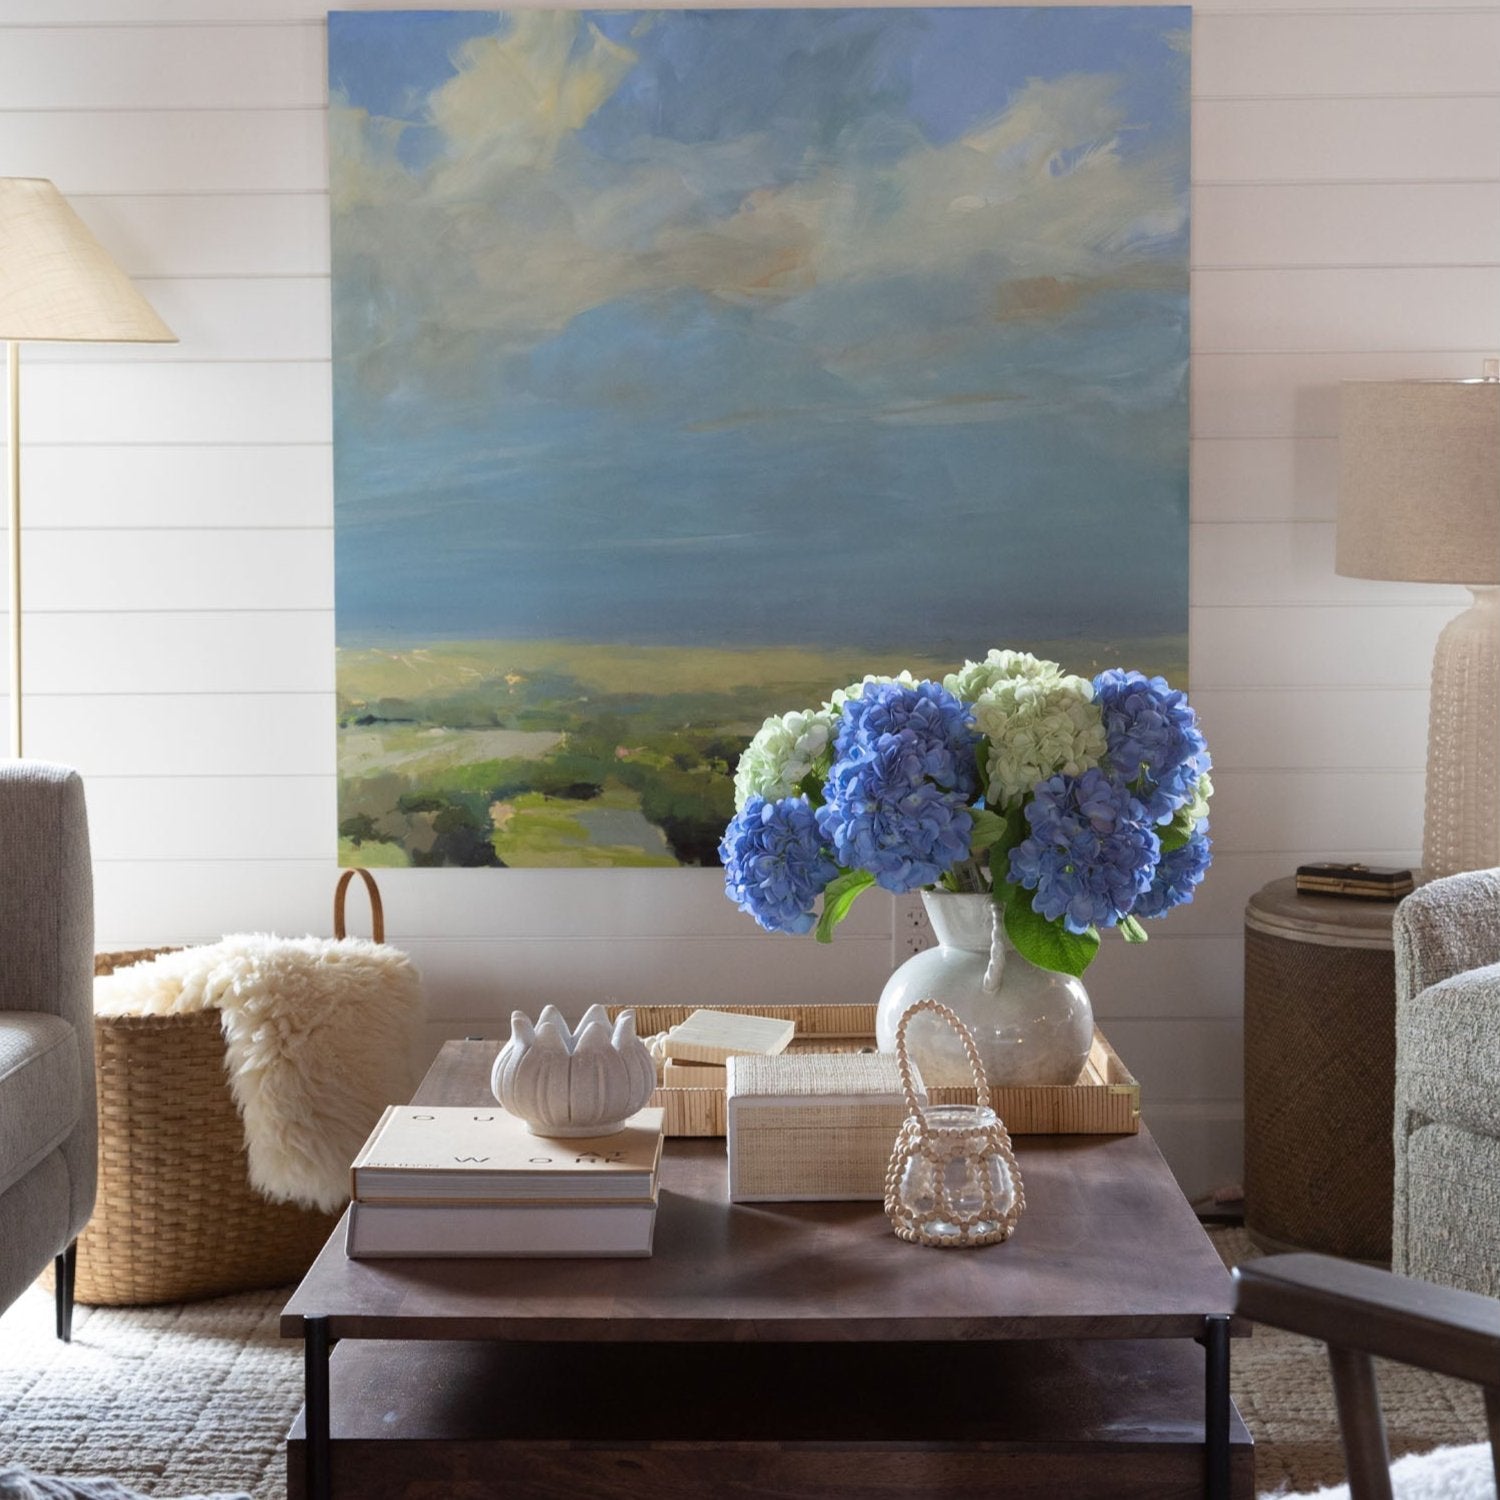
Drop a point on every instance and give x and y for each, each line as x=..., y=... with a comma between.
x=775, y=863
x=1154, y=743
x=1177, y=873
x=925, y=726
x=1091, y=853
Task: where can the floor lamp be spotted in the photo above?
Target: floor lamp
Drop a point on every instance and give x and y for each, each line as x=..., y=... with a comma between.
x=1419, y=500
x=57, y=282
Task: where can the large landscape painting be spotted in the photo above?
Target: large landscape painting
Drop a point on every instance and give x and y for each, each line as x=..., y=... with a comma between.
x=691, y=364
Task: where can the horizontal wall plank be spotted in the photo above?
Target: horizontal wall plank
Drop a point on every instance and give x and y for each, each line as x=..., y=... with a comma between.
x=1447, y=52
x=1265, y=479
x=1271, y=729
x=212, y=234
x=260, y=67
x=1260, y=812
x=228, y=485
x=1234, y=396
x=1417, y=308
x=463, y=979
x=157, y=403
x=463, y=906
x=197, y=570
x=148, y=12
x=1280, y=563
x=1315, y=646
x=185, y=734
x=212, y=818
x=170, y=151
x=178, y=67
x=202, y=898
x=220, y=318
x=257, y=651
x=1235, y=141
x=1347, y=224
x=1255, y=310
x=1346, y=140
x=1297, y=395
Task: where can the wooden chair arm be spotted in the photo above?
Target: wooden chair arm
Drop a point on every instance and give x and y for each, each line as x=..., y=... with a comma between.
x=1352, y=1306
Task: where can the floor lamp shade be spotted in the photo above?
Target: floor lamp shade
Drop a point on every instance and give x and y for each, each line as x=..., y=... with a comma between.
x=57, y=282
x=1419, y=501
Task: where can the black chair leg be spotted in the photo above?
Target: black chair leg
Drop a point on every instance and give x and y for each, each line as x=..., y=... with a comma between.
x=64, y=1273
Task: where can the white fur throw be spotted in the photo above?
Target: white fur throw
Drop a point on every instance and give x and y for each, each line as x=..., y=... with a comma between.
x=1465, y=1473
x=319, y=1037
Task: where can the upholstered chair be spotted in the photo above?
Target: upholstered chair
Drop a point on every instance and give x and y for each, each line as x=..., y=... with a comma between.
x=48, y=1135
x=1447, y=1191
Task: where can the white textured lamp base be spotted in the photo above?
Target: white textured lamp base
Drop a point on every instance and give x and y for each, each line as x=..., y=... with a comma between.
x=1461, y=822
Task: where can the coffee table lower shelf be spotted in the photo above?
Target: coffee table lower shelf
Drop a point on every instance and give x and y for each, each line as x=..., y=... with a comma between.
x=1117, y=1419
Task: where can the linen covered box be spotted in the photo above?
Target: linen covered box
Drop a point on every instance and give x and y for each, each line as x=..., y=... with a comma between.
x=812, y=1125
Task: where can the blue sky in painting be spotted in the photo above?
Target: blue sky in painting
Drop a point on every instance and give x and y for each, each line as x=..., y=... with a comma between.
x=861, y=328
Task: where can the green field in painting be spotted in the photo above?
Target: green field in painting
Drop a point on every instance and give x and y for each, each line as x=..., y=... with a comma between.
x=557, y=753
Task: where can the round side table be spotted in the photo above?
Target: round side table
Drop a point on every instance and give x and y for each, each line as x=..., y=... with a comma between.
x=1320, y=1067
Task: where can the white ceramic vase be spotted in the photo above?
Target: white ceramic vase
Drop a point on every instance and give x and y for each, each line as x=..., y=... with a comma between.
x=1031, y=1025
x=573, y=1083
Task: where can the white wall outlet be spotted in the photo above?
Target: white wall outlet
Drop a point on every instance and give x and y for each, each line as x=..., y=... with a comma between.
x=911, y=932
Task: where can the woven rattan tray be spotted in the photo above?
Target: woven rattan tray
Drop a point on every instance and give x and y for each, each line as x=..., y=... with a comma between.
x=1106, y=1100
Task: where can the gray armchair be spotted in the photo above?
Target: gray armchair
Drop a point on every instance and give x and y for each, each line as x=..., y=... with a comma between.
x=48, y=1129
x=1447, y=1192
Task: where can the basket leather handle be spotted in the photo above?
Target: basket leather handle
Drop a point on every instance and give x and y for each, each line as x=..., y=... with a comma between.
x=377, y=911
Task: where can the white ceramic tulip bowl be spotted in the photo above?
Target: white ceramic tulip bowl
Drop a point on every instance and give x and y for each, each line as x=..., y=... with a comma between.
x=571, y=1083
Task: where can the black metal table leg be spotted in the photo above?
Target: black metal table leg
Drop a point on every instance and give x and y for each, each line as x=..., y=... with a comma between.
x=316, y=1348
x=1215, y=1341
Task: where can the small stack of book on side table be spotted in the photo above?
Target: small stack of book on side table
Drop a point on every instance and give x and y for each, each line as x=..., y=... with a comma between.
x=444, y=1180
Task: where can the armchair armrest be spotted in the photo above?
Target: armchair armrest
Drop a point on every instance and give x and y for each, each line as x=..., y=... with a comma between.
x=1445, y=928
x=1361, y=1312
x=1355, y=1306
x=46, y=895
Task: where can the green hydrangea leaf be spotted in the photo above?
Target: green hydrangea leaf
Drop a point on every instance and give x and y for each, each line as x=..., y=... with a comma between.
x=989, y=828
x=838, y=897
x=1132, y=931
x=1049, y=945
x=1175, y=834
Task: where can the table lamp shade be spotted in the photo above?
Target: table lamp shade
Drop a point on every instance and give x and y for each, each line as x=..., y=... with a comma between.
x=1419, y=501
x=57, y=281
x=1419, y=493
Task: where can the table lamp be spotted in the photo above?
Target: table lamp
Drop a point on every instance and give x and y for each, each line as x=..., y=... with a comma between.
x=57, y=282
x=1419, y=500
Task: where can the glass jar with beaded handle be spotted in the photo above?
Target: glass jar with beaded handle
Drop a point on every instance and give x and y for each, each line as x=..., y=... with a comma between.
x=953, y=1179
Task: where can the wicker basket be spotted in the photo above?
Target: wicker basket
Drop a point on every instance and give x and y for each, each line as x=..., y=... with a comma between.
x=176, y=1218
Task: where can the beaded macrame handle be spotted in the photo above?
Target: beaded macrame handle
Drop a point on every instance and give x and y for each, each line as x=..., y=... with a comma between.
x=976, y=1063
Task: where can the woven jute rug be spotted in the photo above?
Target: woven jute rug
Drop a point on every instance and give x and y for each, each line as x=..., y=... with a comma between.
x=189, y=1400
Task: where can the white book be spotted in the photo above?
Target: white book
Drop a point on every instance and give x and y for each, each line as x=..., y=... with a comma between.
x=713, y=1036
x=533, y=1231
x=421, y=1154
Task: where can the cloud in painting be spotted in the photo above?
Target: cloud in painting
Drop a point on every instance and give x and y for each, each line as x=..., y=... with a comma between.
x=518, y=221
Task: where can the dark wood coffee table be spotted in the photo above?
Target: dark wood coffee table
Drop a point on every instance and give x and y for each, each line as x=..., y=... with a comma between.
x=794, y=1349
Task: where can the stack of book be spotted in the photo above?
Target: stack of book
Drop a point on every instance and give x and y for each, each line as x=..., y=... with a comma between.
x=457, y=1181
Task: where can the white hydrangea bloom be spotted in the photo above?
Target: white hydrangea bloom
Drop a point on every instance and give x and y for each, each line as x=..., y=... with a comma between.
x=976, y=677
x=857, y=690
x=784, y=750
x=1197, y=809
x=1047, y=726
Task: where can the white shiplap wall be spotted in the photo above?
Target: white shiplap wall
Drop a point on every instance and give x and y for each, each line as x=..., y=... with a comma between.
x=179, y=547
